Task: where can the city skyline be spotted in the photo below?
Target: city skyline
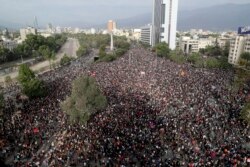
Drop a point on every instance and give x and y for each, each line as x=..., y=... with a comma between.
x=72, y=12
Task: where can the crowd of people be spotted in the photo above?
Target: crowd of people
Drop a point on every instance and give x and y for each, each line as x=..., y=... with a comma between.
x=159, y=114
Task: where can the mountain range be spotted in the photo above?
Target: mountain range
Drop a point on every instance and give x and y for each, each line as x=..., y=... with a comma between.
x=216, y=18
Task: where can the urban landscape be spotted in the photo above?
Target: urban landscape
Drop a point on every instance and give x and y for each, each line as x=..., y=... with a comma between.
x=153, y=83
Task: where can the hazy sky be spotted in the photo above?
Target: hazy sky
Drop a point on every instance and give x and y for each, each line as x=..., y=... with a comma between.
x=59, y=12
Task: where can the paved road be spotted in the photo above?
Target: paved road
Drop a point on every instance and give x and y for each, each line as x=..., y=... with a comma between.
x=69, y=48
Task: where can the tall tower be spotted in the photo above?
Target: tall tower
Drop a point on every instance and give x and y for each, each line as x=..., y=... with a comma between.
x=164, y=22
x=111, y=41
x=111, y=25
x=35, y=23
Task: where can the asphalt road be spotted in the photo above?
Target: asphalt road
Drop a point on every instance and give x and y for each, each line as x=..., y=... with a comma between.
x=69, y=48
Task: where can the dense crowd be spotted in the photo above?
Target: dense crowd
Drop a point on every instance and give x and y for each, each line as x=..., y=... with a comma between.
x=159, y=114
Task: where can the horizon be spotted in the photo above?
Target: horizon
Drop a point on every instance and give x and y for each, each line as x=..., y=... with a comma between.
x=83, y=14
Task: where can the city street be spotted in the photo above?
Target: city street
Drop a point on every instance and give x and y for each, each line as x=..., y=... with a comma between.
x=69, y=48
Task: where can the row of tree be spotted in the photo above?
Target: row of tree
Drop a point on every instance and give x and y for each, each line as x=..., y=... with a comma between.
x=35, y=46
x=211, y=57
x=121, y=45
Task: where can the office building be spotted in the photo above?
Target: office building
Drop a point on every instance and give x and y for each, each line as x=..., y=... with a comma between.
x=111, y=26
x=189, y=45
x=146, y=35
x=26, y=31
x=165, y=22
x=239, y=45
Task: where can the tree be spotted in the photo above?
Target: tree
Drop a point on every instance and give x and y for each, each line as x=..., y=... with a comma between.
x=31, y=85
x=195, y=57
x=102, y=51
x=86, y=98
x=162, y=49
x=8, y=80
x=25, y=74
x=212, y=63
x=65, y=60
x=245, y=56
x=46, y=53
x=245, y=113
x=1, y=100
x=82, y=51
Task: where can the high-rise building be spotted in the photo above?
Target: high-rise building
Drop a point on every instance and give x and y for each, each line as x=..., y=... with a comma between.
x=239, y=45
x=165, y=22
x=111, y=25
x=146, y=34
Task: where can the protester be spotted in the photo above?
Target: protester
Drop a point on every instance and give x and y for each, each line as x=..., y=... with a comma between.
x=159, y=114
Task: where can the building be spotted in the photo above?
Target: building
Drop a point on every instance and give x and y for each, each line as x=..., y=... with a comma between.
x=111, y=26
x=165, y=22
x=146, y=35
x=238, y=45
x=190, y=45
x=136, y=34
x=26, y=31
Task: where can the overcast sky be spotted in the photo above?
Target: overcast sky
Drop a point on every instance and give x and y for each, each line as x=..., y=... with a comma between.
x=59, y=12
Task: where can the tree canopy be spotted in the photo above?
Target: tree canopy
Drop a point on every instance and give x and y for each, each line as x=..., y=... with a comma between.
x=31, y=47
x=65, y=60
x=245, y=56
x=86, y=98
x=1, y=100
x=162, y=49
x=31, y=85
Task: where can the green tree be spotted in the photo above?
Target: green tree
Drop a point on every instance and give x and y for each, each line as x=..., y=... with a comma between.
x=162, y=49
x=245, y=56
x=65, y=60
x=245, y=113
x=25, y=74
x=102, y=51
x=86, y=98
x=194, y=58
x=212, y=63
x=31, y=85
x=47, y=53
x=177, y=58
x=1, y=100
x=8, y=80
x=82, y=51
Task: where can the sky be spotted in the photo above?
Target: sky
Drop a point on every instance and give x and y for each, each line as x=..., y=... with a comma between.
x=92, y=12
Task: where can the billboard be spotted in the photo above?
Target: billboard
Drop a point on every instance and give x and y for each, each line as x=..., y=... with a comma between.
x=244, y=30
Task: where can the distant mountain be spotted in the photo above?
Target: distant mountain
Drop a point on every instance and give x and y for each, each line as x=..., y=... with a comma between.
x=10, y=25
x=222, y=17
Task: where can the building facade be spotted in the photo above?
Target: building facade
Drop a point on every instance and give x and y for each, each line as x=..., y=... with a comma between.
x=189, y=45
x=146, y=35
x=26, y=31
x=111, y=26
x=164, y=22
x=238, y=45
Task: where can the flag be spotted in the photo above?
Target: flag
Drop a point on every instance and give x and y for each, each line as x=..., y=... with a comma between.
x=36, y=130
